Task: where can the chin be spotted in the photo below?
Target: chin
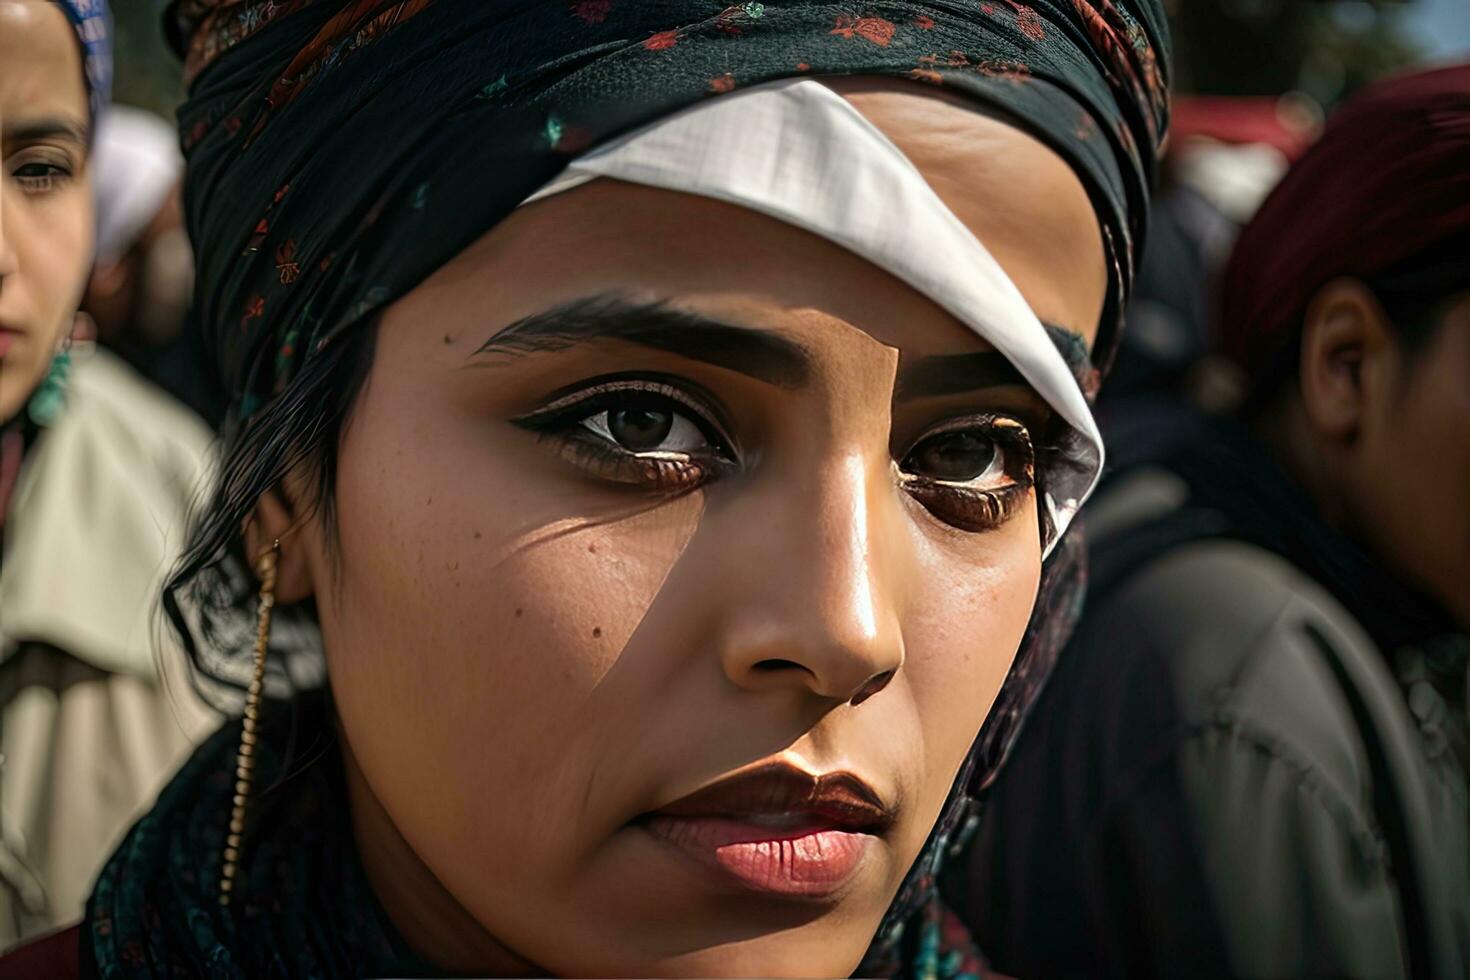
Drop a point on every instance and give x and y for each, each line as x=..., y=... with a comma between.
x=774, y=955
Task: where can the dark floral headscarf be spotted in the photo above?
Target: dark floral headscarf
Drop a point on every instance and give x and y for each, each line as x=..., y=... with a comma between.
x=340, y=151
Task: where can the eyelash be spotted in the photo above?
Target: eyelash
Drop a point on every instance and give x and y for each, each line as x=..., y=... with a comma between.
x=562, y=425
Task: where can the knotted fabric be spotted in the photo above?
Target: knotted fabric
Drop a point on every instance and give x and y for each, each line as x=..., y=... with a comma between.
x=342, y=150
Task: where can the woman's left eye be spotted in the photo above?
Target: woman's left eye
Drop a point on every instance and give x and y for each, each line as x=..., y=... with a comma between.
x=974, y=474
x=958, y=457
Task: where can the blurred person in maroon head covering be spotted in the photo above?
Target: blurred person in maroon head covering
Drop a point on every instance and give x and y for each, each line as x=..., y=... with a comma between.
x=1347, y=303
x=1258, y=736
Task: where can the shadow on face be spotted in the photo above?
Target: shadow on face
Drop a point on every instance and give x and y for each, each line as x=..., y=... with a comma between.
x=645, y=490
x=45, y=198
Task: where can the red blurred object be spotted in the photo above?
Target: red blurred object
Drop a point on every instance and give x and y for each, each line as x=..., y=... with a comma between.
x=1289, y=123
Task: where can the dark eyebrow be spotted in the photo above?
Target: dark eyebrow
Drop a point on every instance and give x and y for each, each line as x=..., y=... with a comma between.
x=761, y=354
x=956, y=374
x=44, y=128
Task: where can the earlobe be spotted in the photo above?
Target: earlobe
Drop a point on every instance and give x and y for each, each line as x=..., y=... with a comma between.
x=1345, y=334
x=274, y=521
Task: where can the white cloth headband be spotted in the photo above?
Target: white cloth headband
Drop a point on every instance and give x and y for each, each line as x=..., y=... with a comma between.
x=798, y=152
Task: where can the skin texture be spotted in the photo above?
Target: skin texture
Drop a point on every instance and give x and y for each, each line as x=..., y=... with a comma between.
x=1381, y=437
x=526, y=657
x=45, y=196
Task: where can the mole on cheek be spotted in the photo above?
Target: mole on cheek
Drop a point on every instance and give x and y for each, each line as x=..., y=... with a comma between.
x=596, y=632
x=519, y=612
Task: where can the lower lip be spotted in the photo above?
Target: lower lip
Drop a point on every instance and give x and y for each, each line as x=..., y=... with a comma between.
x=800, y=862
x=7, y=340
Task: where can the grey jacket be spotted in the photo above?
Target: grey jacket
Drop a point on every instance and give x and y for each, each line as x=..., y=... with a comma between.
x=1227, y=777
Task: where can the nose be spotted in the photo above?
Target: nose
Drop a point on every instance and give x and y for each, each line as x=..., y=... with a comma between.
x=813, y=578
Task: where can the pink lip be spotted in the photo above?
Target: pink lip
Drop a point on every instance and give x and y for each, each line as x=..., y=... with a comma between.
x=7, y=340
x=800, y=862
x=777, y=830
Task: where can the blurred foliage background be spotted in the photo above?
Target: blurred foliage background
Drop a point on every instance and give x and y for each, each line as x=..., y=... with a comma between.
x=1323, y=48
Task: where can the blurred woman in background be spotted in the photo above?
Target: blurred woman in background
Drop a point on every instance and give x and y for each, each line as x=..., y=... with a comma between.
x=96, y=470
x=668, y=452
x=1252, y=760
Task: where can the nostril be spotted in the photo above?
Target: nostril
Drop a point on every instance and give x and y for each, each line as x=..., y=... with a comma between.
x=773, y=665
x=871, y=687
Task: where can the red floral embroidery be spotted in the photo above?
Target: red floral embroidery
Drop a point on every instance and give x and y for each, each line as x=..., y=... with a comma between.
x=1011, y=71
x=254, y=310
x=233, y=126
x=874, y=29
x=197, y=132
x=1028, y=21
x=662, y=41
x=924, y=23
x=725, y=83
x=592, y=11
x=927, y=75
x=803, y=66
x=286, y=264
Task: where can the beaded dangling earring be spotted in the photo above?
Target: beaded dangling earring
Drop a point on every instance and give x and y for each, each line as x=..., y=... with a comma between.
x=265, y=570
x=49, y=398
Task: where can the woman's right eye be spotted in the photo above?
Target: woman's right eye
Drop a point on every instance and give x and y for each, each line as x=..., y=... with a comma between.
x=39, y=177
x=647, y=428
x=646, y=434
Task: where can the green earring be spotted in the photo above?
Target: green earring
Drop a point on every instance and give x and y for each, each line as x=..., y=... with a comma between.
x=50, y=398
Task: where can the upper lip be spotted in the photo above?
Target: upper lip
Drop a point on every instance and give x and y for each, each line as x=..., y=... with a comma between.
x=779, y=788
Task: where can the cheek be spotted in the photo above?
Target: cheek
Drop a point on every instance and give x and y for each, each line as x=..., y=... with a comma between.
x=1415, y=488
x=962, y=635
x=58, y=252
x=53, y=246
x=478, y=609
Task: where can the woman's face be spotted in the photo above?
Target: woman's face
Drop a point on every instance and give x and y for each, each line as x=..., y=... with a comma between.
x=680, y=555
x=45, y=198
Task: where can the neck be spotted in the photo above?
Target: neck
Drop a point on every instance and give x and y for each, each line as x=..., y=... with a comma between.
x=1284, y=430
x=428, y=917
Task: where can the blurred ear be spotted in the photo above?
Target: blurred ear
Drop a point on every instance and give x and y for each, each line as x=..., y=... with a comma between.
x=274, y=521
x=1348, y=359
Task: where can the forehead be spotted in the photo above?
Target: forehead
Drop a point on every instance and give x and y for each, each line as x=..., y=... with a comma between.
x=608, y=236
x=1014, y=193
x=40, y=61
